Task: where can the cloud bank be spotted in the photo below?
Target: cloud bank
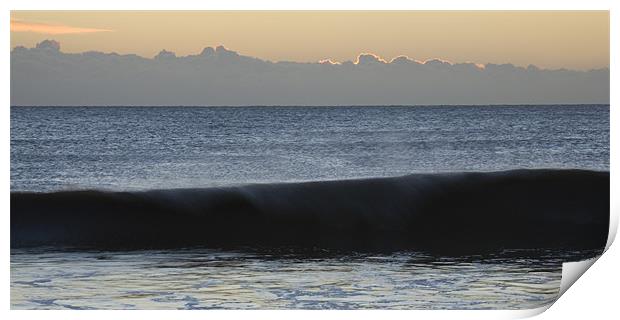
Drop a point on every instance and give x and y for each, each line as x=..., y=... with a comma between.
x=37, y=27
x=45, y=75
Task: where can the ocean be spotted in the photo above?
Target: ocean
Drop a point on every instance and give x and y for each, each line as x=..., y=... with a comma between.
x=266, y=157
x=128, y=148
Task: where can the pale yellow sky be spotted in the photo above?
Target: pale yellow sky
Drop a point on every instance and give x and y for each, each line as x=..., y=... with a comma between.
x=548, y=39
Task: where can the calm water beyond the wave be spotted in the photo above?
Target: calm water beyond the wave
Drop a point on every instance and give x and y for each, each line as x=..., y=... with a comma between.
x=60, y=148
x=146, y=148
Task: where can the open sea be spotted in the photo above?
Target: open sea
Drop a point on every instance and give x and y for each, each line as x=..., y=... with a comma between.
x=145, y=148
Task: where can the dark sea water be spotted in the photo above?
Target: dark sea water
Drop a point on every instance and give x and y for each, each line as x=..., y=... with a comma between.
x=137, y=148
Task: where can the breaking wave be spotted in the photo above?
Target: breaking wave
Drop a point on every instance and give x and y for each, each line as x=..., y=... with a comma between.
x=449, y=212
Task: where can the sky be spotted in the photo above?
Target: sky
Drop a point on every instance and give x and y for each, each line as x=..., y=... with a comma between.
x=576, y=40
x=309, y=58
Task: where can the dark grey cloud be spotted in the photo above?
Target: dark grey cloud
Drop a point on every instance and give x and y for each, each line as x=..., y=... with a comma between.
x=45, y=75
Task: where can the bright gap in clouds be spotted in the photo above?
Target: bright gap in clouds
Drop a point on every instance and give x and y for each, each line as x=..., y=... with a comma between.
x=44, y=28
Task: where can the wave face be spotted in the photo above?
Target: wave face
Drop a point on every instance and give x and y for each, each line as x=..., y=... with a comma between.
x=453, y=212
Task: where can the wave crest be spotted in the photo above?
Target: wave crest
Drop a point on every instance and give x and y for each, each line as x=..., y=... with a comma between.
x=455, y=212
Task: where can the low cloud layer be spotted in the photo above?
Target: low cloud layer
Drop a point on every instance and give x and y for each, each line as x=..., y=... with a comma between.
x=44, y=75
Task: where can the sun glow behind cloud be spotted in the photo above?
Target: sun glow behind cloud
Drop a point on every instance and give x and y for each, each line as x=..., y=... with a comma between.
x=44, y=28
x=541, y=38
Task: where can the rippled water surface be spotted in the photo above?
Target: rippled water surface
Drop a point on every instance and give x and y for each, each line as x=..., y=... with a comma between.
x=120, y=148
x=116, y=148
x=211, y=279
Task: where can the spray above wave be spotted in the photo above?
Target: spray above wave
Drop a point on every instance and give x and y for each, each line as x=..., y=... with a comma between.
x=458, y=212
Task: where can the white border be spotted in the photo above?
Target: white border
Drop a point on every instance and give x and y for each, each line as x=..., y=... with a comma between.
x=594, y=294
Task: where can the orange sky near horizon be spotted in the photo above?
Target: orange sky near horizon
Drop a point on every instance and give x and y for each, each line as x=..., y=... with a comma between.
x=549, y=39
